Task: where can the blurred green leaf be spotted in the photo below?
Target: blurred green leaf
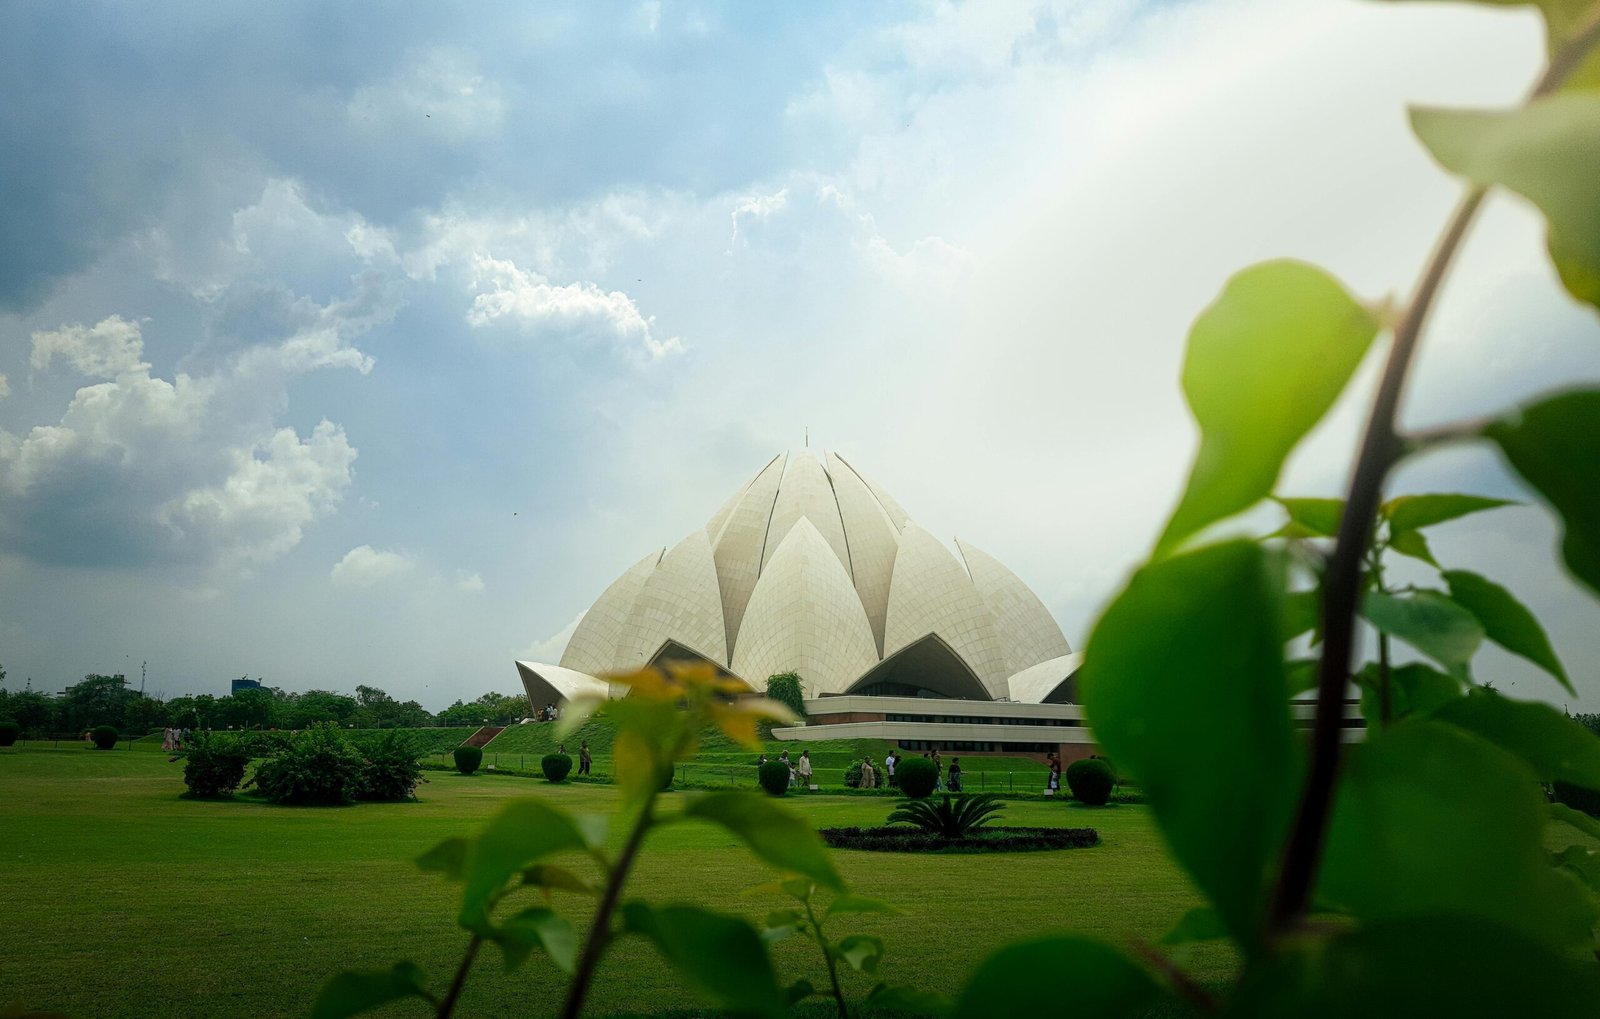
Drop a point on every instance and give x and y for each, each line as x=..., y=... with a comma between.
x=1430, y=622
x=721, y=956
x=1193, y=647
x=1301, y=675
x=1063, y=974
x=910, y=1001
x=1317, y=518
x=520, y=833
x=1302, y=613
x=1414, y=689
x=783, y=839
x=861, y=951
x=1583, y=863
x=560, y=879
x=1413, y=544
x=356, y=991
x=1564, y=20
x=800, y=990
x=1546, y=151
x=448, y=858
x=848, y=903
x=1554, y=444
x=1506, y=621
x=1436, y=965
x=536, y=928
x=1264, y=364
x=1414, y=512
x=1201, y=923
x=1553, y=745
x=784, y=918
x=1576, y=818
x=1430, y=819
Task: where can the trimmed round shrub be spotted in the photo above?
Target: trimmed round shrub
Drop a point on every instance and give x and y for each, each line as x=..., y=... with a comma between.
x=391, y=770
x=320, y=768
x=1578, y=798
x=1091, y=781
x=105, y=736
x=214, y=765
x=9, y=731
x=468, y=759
x=556, y=767
x=852, y=775
x=774, y=777
x=672, y=770
x=917, y=776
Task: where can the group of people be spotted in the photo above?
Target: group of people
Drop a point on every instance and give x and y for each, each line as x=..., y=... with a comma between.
x=584, y=758
x=172, y=738
x=799, y=769
x=548, y=713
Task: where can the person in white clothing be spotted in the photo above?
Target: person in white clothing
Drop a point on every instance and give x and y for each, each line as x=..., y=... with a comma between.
x=804, y=768
x=888, y=767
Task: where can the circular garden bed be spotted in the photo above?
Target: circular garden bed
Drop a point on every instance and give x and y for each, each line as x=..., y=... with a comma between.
x=998, y=839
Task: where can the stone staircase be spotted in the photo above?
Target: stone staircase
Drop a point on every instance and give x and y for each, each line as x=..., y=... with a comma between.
x=482, y=737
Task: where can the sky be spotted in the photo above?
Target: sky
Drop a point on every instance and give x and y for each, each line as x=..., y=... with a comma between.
x=343, y=344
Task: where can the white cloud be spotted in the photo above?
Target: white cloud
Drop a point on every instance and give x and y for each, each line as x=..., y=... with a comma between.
x=110, y=348
x=441, y=94
x=469, y=583
x=365, y=566
x=5, y=386
x=582, y=309
x=194, y=470
x=548, y=651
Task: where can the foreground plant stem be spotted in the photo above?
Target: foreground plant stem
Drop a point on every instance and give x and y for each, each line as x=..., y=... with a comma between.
x=827, y=954
x=1380, y=448
x=448, y=1005
x=600, y=930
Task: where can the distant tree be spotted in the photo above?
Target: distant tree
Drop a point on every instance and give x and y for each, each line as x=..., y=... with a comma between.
x=97, y=700
x=304, y=709
x=493, y=708
x=785, y=689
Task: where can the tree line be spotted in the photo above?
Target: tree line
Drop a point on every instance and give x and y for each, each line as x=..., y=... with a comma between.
x=109, y=700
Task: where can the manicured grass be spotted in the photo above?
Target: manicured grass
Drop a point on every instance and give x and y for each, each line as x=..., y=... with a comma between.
x=723, y=763
x=120, y=898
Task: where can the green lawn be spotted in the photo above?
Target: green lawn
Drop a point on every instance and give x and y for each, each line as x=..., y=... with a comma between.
x=723, y=763
x=122, y=899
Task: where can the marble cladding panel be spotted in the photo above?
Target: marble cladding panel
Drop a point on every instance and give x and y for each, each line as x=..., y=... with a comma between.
x=872, y=540
x=680, y=601
x=1027, y=630
x=737, y=551
x=931, y=593
x=806, y=492
x=592, y=648
x=805, y=617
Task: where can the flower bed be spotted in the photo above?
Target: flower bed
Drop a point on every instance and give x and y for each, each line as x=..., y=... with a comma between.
x=905, y=839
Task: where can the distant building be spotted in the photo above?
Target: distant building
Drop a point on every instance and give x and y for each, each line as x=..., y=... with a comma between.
x=244, y=684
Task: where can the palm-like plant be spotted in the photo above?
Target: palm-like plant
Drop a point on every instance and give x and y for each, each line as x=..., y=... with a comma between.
x=953, y=816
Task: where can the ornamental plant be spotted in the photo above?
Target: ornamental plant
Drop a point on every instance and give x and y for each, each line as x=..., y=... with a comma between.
x=916, y=777
x=390, y=769
x=214, y=765
x=318, y=768
x=9, y=733
x=467, y=759
x=104, y=736
x=555, y=766
x=774, y=777
x=954, y=817
x=1091, y=781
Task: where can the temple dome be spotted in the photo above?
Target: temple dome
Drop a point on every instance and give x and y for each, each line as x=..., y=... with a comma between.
x=812, y=568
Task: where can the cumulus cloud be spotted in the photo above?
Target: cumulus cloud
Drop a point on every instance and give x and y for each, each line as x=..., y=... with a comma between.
x=582, y=310
x=365, y=566
x=549, y=650
x=5, y=386
x=108, y=349
x=469, y=583
x=143, y=470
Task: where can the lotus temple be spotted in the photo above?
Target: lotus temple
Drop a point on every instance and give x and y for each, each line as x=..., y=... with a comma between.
x=812, y=568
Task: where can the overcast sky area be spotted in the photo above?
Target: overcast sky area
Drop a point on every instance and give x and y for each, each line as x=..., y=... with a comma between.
x=352, y=345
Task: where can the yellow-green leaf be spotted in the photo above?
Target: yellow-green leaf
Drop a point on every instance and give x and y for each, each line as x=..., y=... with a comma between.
x=1555, y=445
x=1548, y=152
x=1264, y=364
x=783, y=839
x=520, y=833
x=1506, y=621
x=1429, y=622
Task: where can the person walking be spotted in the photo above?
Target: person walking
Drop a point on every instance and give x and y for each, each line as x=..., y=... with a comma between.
x=584, y=759
x=1054, y=785
x=955, y=774
x=804, y=769
x=869, y=777
x=938, y=772
x=889, y=764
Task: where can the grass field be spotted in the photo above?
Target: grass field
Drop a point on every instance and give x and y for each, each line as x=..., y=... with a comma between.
x=723, y=763
x=120, y=898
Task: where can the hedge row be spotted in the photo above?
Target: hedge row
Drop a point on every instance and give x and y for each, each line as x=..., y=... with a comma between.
x=897, y=839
